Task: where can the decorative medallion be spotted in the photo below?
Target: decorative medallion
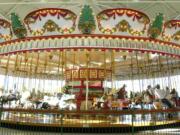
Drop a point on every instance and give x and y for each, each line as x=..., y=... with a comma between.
x=123, y=26
x=5, y=30
x=171, y=31
x=50, y=26
x=50, y=21
x=122, y=20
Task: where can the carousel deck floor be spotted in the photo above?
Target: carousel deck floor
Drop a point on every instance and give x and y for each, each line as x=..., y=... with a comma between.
x=6, y=131
x=87, y=121
x=73, y=123
x=89, y=124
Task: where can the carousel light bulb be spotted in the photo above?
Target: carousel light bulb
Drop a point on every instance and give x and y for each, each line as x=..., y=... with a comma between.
x=107, y=60
x=99, y=64
x=153, y=55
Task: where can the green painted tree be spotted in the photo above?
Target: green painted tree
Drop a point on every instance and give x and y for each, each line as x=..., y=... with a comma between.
x=86, y=21
x=17, y=26
x=156, y=27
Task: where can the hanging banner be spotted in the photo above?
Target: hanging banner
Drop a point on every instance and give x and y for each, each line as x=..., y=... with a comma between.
x=75, y=74
x=101, y=74
x=83, y=74
x=93, y=73
x=68, y=75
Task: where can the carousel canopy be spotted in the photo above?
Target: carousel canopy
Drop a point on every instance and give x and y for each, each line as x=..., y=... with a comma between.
x=130, y=38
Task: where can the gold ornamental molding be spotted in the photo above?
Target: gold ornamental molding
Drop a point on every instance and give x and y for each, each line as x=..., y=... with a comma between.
x=94, y=41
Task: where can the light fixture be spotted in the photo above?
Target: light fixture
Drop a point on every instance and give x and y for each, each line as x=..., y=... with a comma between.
x=107, y=61
x=152, y=56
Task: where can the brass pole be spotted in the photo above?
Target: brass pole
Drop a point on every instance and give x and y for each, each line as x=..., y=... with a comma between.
x=19, y=74
x=138, y=71
x=105, y=77
x=6, y=74
x=62, y=68
x=87, y=79
x=30, y=72
x=36, y=68
x=112, y=69
x=74, y=57
x=132, y=78
x=59, y=64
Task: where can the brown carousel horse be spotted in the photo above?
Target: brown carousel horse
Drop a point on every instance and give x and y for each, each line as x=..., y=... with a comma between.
x=119, y=98
x=122, y=93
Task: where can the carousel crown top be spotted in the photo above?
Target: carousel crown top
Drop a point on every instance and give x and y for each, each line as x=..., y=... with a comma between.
x=53, y=30
x=118, y=21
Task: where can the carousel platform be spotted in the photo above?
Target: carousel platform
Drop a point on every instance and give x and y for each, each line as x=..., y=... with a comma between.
x=80, y=129
x=47, y=128
x=89, y=121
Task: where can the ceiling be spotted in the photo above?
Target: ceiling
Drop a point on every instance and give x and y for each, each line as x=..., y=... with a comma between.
x=170, y=8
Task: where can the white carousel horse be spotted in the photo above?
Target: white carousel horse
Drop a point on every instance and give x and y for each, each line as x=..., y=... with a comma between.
x=63, y=102
x=60, y=101
x=163, y=95
x=25, y=103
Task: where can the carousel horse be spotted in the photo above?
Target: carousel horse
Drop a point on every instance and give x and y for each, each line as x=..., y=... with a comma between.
x=98, y=103
x=65, y=102
x=174, y=97
x=43, y=105
x=31, y=100
x=122, y=98
x=5, y=98
x=60, y=101
x=147, y=100
x=121, y=94
x=119, y=99
x=28, y=100
x=162, y=98
x=39, y=103
x=136, y=101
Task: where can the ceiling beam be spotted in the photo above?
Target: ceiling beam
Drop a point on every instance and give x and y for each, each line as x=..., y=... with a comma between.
x=177, y=17
x=146, y=7
x=138, y=1
x=35, y=3
x=11, y=10
x=3, y=16
x=111, y=6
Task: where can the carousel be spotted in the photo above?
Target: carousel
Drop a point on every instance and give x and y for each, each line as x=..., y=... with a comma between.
x=56, y=60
